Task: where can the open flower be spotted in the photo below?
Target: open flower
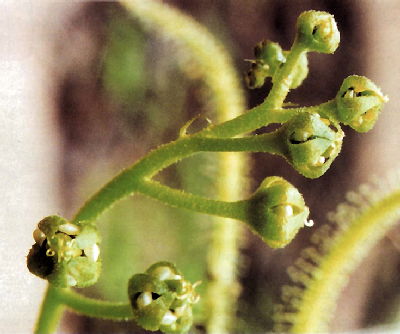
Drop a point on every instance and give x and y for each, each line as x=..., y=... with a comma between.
x=65, y=254
x=162, y=299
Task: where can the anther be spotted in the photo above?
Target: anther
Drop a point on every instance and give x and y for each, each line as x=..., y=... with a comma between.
x=71, y=281
x=309, y=222
x=319, y=162
x=69, y=228
x=326, y=121
x=168, y=319
x=50, y=252
x=144, y=299
x=288, y=209
x=163, y=273
x=92, y=252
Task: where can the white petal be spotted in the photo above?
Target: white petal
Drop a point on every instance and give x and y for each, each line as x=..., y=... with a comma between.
x=144, y=299
x=69, y=228
x=168, y=318
x=92, y=252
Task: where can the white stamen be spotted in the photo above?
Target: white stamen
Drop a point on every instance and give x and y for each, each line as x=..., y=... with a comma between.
x=319, y=162
x=92, y=252
x=71, y=280
x=305, y=135
x=288, y=210
x=168, y=318
x=69, y=228
x=349, y=93
x=309, y=223
x=144, y=299
x=325, y=121
x=163, y=273
x=180, y=310
x=358, y=121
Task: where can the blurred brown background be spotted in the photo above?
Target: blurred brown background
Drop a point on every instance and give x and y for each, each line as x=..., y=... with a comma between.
x=85, y=91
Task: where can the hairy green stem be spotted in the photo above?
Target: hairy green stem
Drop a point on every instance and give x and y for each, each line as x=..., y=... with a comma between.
x=126, y=182
x=178, y=198
x=50, y=313
x=93, y=307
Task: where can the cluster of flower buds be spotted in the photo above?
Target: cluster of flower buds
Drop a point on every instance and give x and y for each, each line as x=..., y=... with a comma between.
x=311, y=143
x=162, y=299
x=65, y=254
x=277, y=211
x=269, y=58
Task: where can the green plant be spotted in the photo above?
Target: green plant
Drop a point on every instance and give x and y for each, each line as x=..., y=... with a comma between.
x=66, y=253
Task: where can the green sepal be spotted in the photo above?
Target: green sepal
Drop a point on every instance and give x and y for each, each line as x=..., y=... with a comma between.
x=277, y=211
x=150, y=316
x=317, y=31
x=270, y=53
x=312, y=143
x=161, y=299
x=359, y=102
x=49, y=225
x=182, y=324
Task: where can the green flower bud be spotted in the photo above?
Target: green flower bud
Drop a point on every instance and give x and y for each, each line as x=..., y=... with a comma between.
x=255, y=78
x=270, y=57
x=65, y=254
x=317, y=31
x=277, y=211
x=312, y=143
x=270, y=53
x=162, y=299
x=359, y=102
